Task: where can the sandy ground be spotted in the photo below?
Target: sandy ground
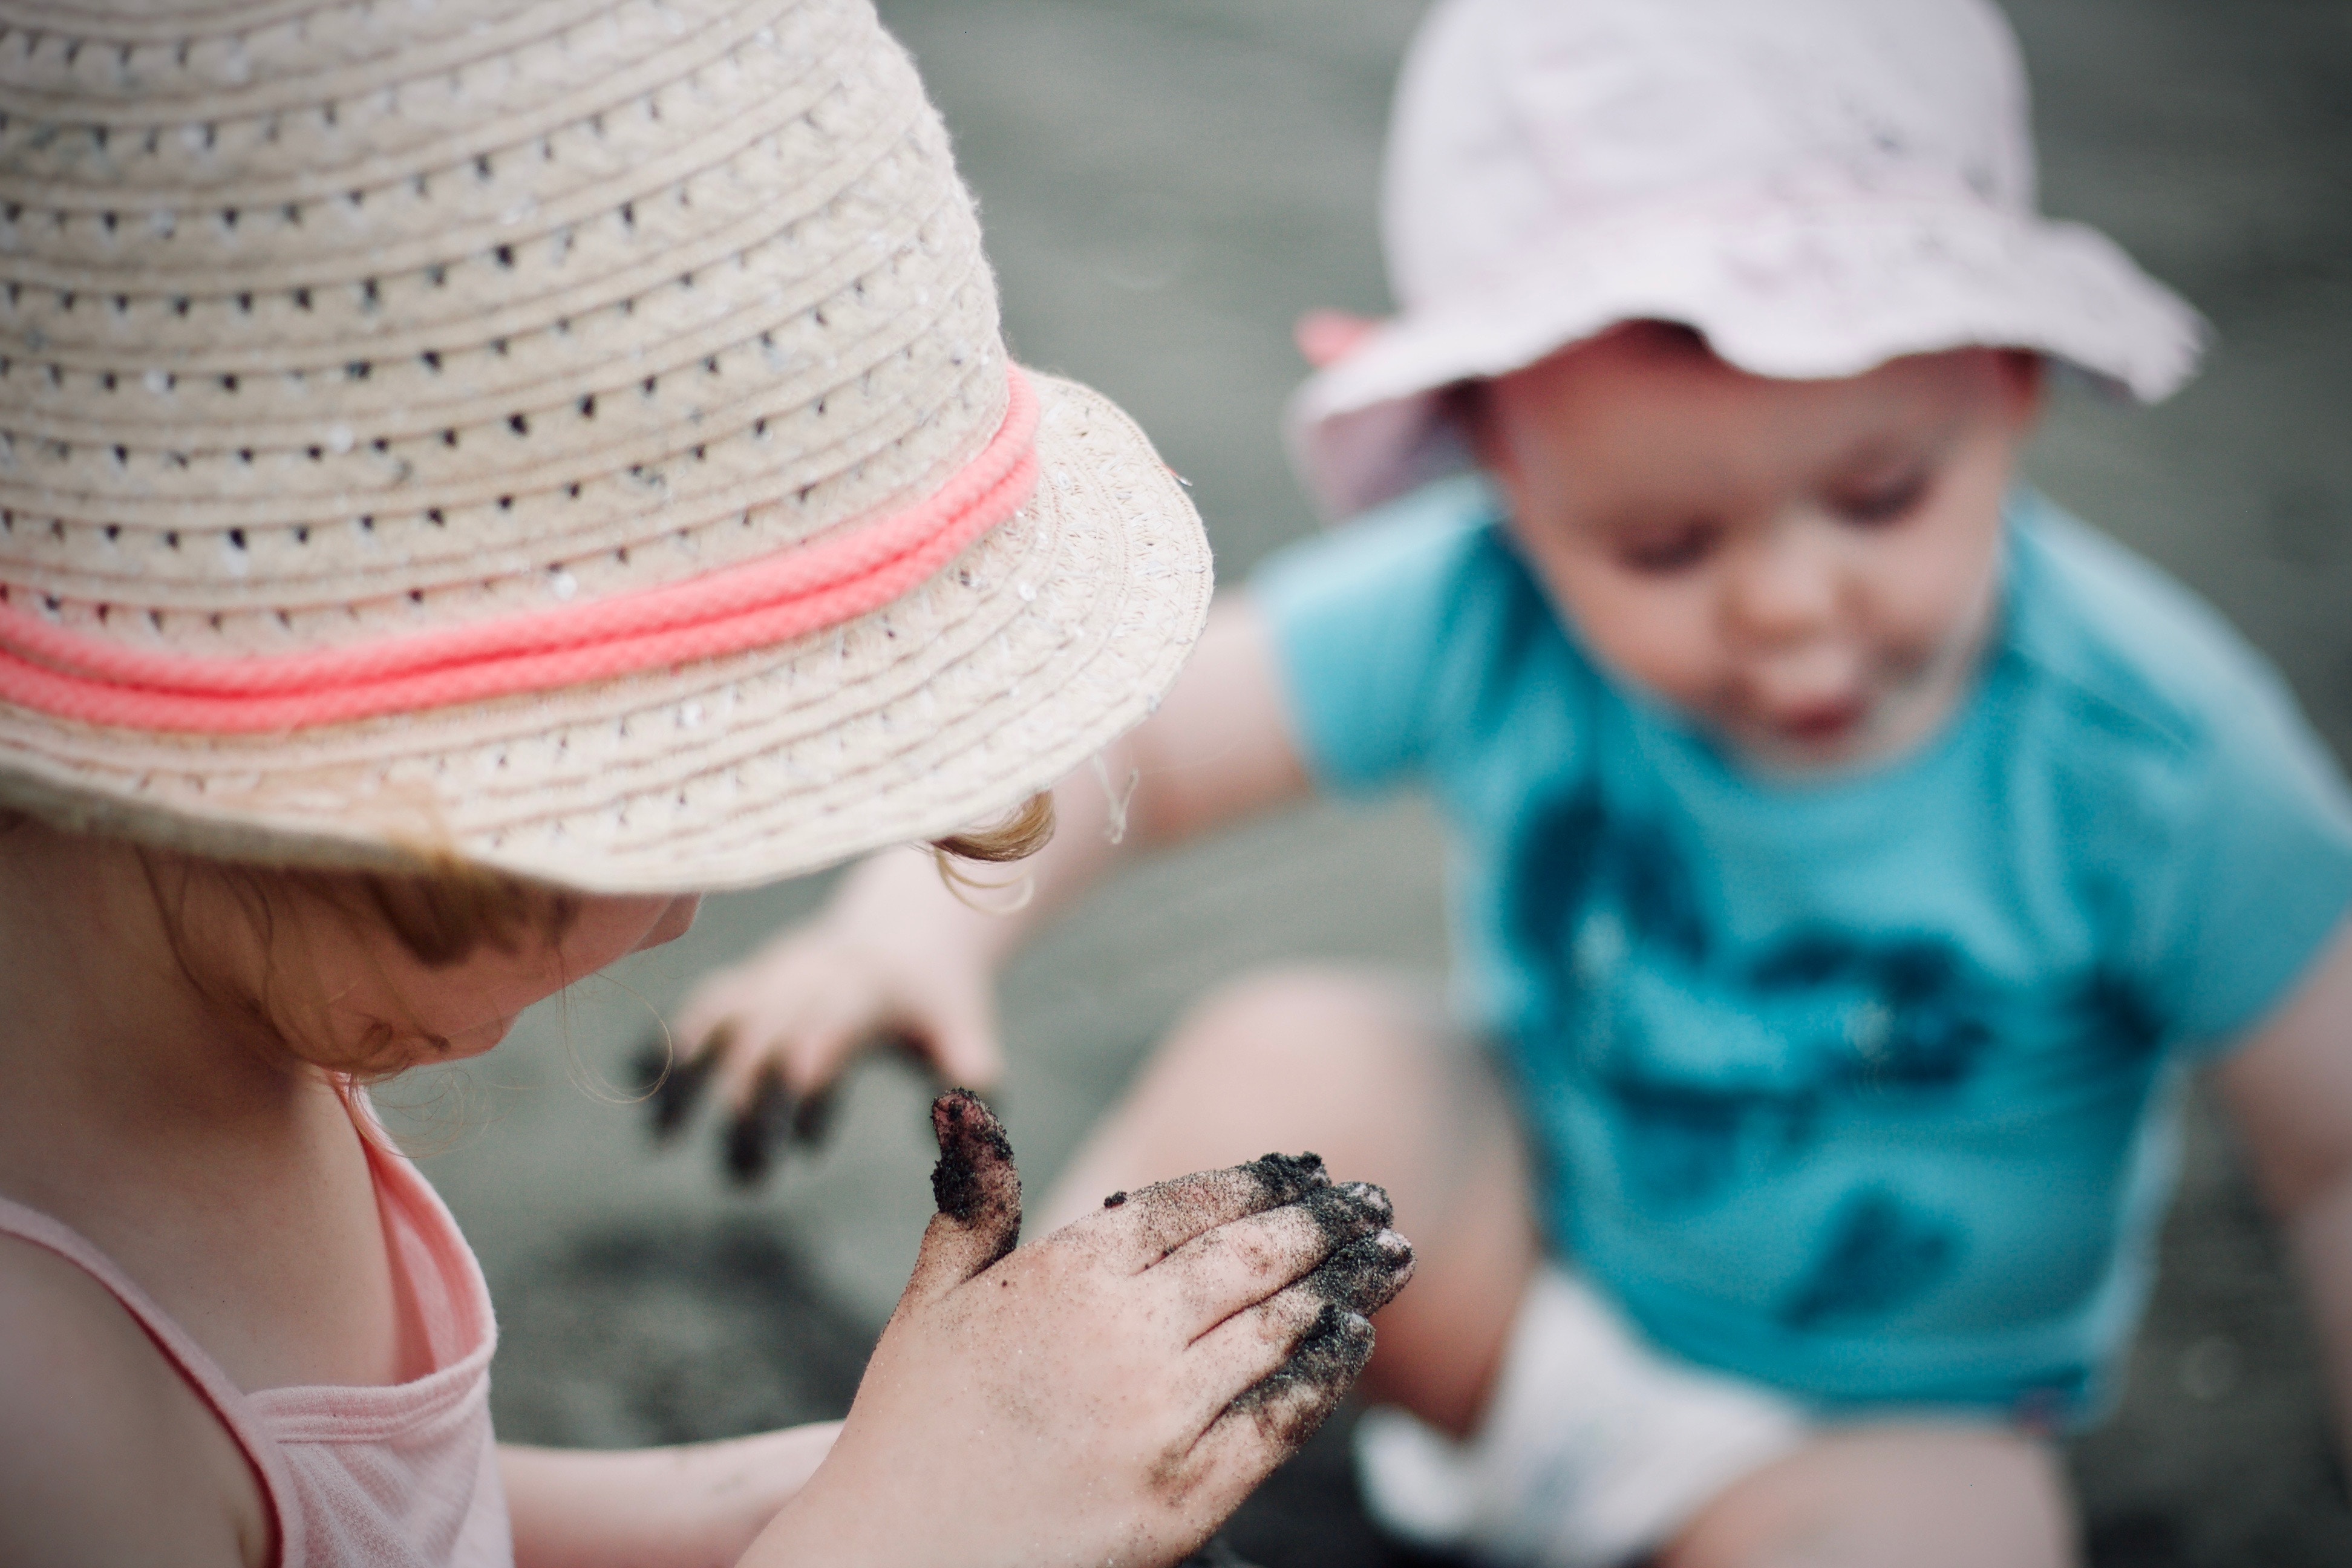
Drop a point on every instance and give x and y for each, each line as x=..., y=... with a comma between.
x=1165, y=188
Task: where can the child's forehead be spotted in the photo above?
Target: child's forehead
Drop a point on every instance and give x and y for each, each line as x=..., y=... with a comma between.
x=1652, y=403
x=1666, y=371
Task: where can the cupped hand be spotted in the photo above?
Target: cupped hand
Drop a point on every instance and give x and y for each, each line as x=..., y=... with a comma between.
x=1108, y=1395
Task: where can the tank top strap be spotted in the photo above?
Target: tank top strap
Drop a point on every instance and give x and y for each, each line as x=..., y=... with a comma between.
x=197, y=1370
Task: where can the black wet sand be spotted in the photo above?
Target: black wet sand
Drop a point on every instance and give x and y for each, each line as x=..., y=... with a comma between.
x=1165, y=187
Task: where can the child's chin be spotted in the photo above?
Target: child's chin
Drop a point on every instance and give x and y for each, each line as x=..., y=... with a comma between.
x=1809, y=748
x=479, y=1039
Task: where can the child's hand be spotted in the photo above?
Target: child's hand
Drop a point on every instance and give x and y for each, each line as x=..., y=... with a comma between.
x=1108, y=1395
x=772, y=1032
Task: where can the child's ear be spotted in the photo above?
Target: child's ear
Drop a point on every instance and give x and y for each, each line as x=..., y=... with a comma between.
x=1470, y=406
x=2023, y=376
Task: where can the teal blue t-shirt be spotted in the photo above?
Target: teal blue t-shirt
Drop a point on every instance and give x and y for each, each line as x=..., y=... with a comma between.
x=1865, y=1087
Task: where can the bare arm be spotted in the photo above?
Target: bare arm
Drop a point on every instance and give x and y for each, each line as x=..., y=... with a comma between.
x=1218, y=750
x=697, y=1506
x=106, y=1454
x=2291, y=1089
x=897, y=951
x=1113, y=1390
x=107, y=1457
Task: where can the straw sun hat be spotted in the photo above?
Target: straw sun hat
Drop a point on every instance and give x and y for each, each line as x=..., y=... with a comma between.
x=574, y=434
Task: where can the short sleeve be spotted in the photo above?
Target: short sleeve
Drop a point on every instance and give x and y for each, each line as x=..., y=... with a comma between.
x=2222, y=818
x=2264, y=874
x=1378, y=631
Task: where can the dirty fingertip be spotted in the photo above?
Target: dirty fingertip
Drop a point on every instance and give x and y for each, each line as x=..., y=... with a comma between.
x=813, y=1118
x=975, y=1178
x=1371, y=1197
x=1345, y=1214
x=758, y=1129
x=672, y=1084
x=1291, y=1402
x=701, y=1058
x=1285, y=1178
x=1363, y=1275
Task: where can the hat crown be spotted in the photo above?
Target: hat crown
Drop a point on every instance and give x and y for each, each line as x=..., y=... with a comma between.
x=1519, y=122
x=574, y=435
x=325, y=322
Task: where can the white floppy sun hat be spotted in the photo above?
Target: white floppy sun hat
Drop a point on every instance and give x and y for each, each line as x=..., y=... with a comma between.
x=1816, y=185
x=570, y=434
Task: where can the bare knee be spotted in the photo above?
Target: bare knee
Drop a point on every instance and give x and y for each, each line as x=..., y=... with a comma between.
x=1366, y=1071
x=1305, y=1016
x=1892, y=1497
x=1370, y=1073
x=1294, y=1060
x=1347, y=1063
x=1353, y=1064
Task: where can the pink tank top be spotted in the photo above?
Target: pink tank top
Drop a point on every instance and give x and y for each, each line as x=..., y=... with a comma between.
x=403, y=1476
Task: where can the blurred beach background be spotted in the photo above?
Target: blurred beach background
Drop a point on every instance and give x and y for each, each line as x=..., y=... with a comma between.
x=1165, y=187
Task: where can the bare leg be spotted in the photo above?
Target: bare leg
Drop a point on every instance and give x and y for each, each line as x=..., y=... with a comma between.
x=1920, y=1496
x=1371, y=1076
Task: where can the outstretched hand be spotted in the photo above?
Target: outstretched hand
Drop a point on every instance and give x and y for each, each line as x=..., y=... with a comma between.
x=1110, y=1392
x=769, y=1036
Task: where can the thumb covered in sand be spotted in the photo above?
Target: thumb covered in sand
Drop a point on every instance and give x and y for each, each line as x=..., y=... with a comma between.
x=978, y=1192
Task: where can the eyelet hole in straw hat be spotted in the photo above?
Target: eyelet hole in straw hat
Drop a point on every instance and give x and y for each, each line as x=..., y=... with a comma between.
x=587, y=446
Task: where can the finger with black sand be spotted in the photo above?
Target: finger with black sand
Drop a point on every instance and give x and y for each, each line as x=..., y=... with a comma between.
x=1236, y=1265
x=1371, y=1196
x=1154, y=1221
x=756, y=1132
x=813, y=1118
x=978, y=1191
x=1258, y=1342
x=1263, y=1340
x=1363, y=1275
x=1289, y=1402
x=673, y=1085
x=1268, y=1421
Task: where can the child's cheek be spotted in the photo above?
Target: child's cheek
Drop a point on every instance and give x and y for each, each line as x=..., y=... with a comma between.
x=1940, y=589
x=1945, y=570
x=1656, y=633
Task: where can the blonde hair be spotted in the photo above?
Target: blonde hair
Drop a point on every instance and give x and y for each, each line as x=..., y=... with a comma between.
x=1019, y=835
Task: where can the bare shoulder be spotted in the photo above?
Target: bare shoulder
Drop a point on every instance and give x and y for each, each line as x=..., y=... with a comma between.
x=107, y=1456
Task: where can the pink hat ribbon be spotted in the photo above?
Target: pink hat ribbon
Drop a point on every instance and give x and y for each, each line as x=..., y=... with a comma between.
x=755, y=604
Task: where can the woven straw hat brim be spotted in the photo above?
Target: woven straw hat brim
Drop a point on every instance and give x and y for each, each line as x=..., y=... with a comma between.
x=1037, y=648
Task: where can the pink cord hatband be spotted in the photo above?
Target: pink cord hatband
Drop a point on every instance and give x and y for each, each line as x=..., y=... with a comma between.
x=756, y=604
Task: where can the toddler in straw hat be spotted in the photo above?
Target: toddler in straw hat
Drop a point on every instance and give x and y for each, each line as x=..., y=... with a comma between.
x=1853, y=852
x=472, y=477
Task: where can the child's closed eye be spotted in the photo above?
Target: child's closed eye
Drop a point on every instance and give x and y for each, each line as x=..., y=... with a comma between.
x=1662, y=552
x=1883, y=500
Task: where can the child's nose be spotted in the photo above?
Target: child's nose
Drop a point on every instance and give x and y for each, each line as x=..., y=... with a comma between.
x=1783, y=586
x=675, y=921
